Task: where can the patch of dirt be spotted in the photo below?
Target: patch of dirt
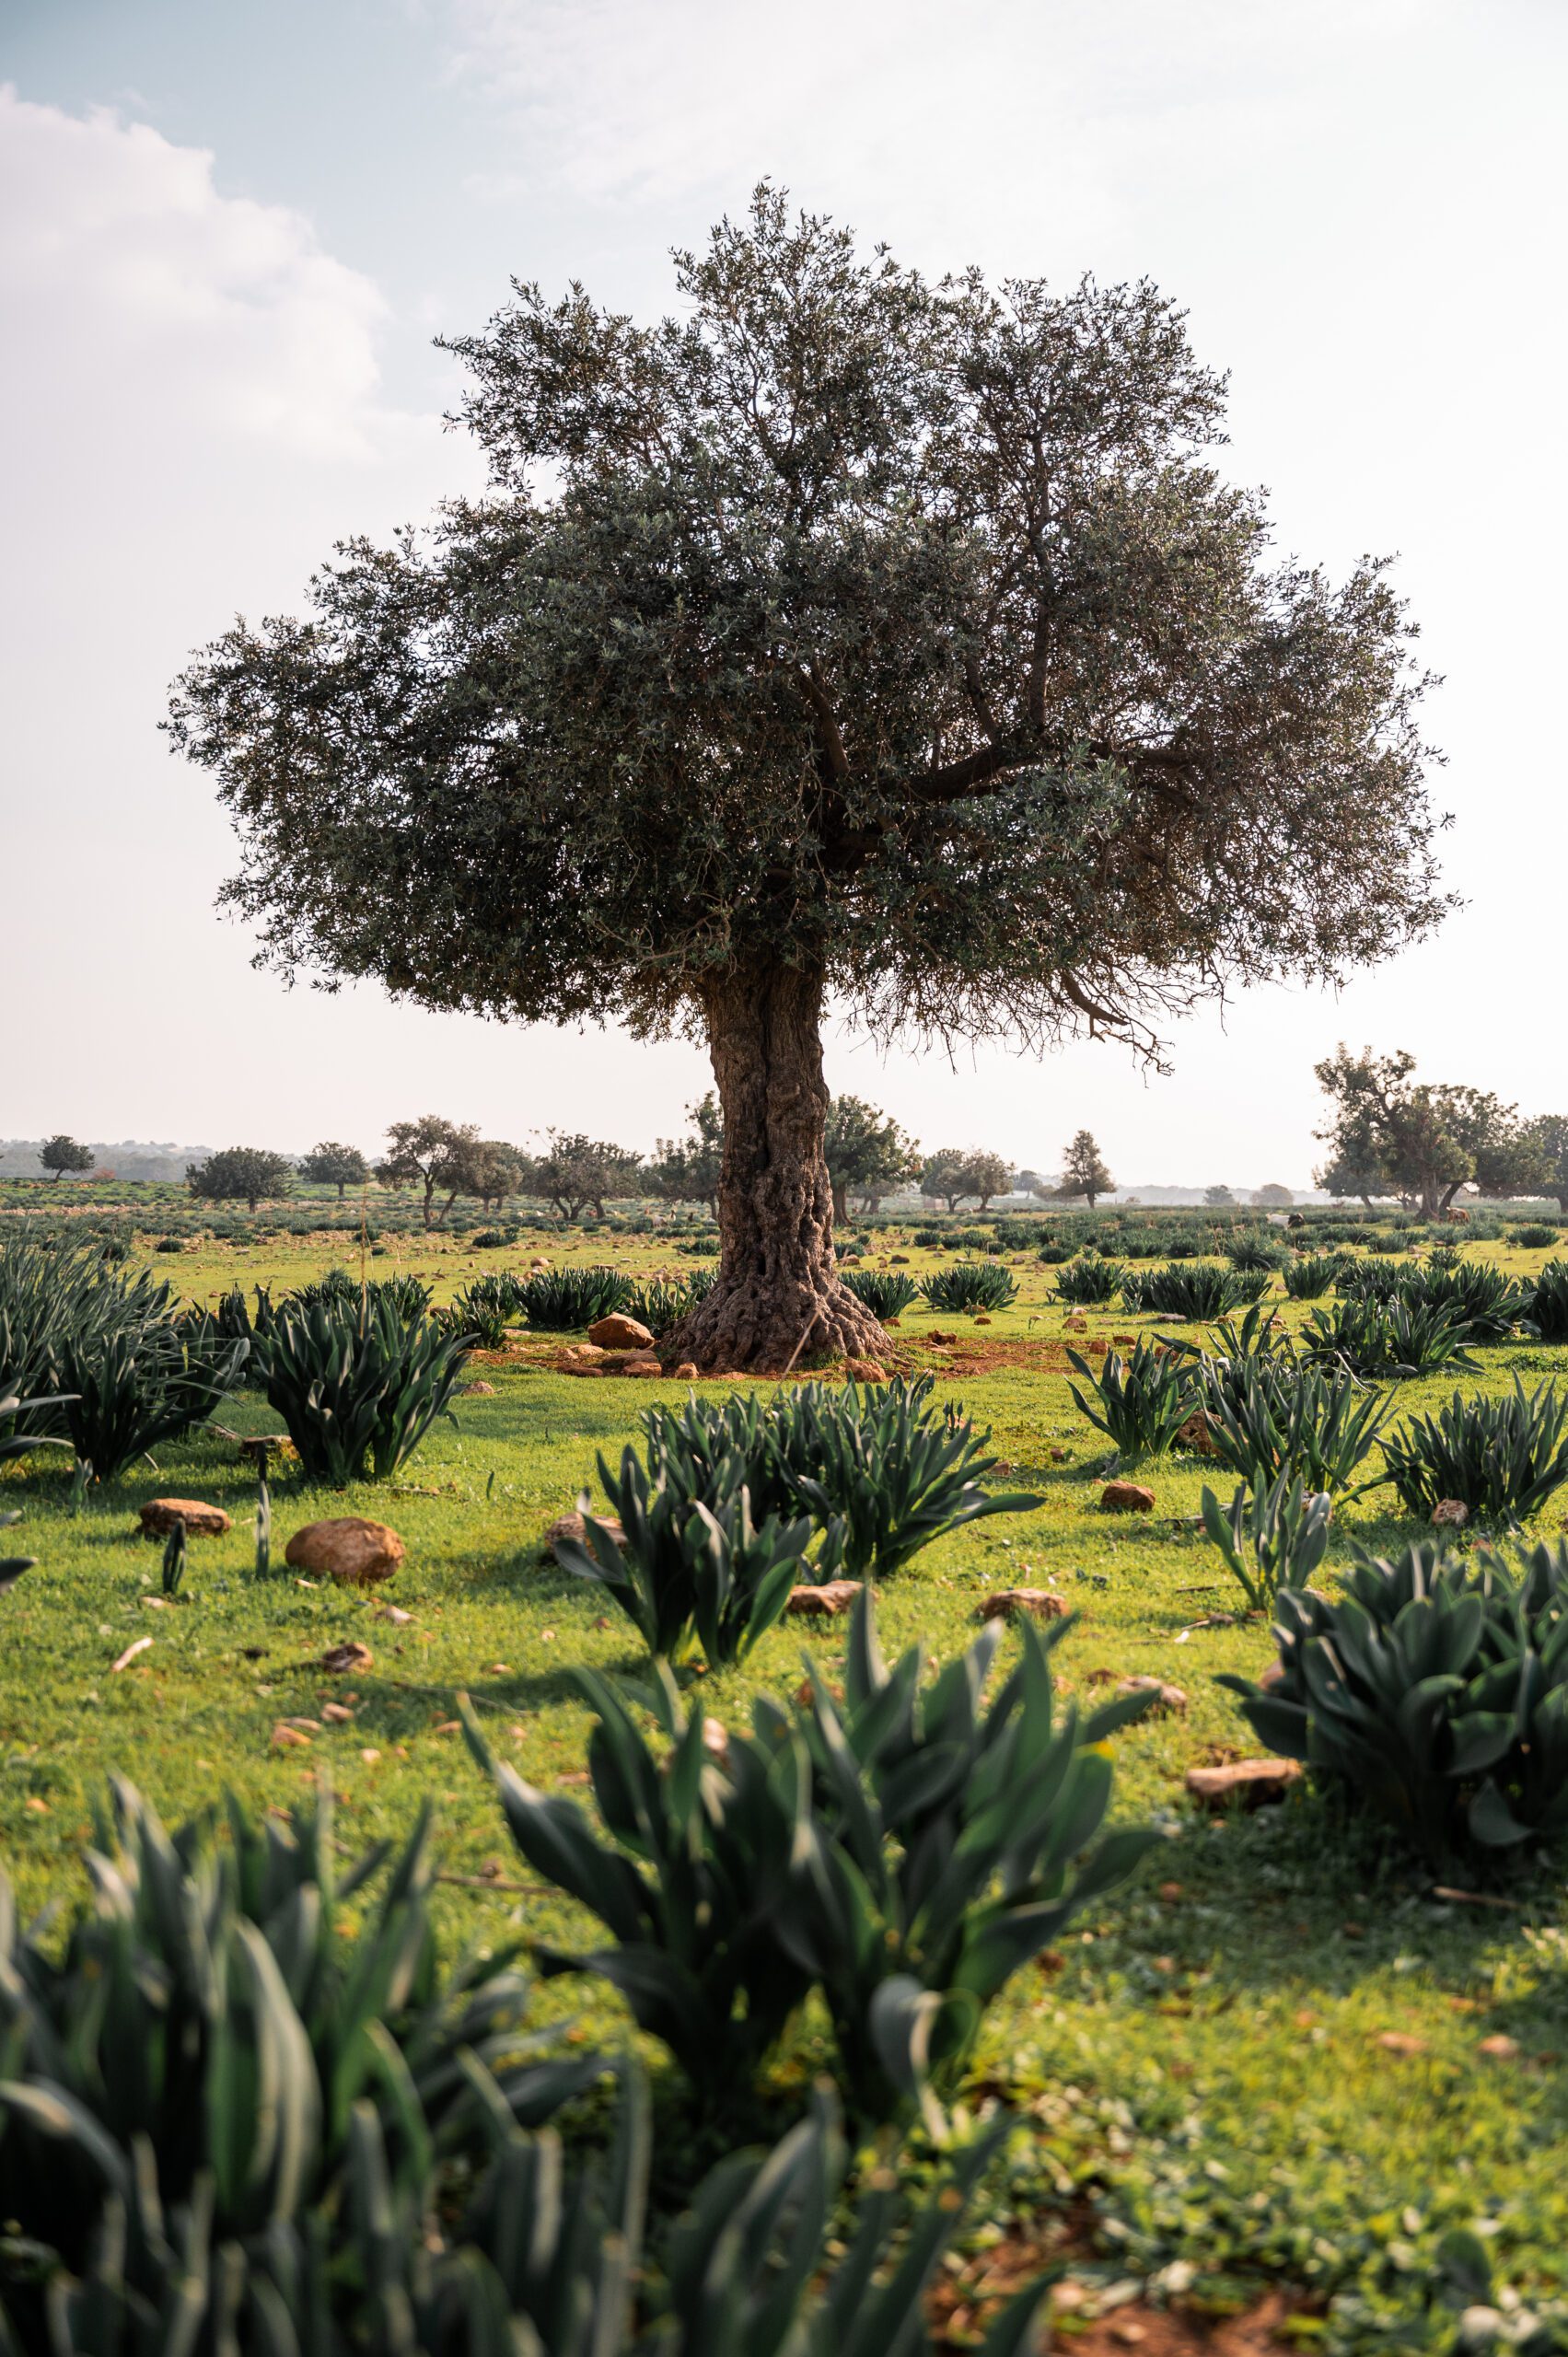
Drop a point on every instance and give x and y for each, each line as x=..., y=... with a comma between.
x=1137, y=2331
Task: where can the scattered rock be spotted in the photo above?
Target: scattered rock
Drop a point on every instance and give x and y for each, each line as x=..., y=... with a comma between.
x=537, y=1268
x=1271, y=1677
x=823, y=1603
x=1037, y=1602
x=899, y=1261
x=1499, y=2048
x=1061, y=1455
x=619, y=1332
x=1197, y=1434
x=572, y=1526
x=864, y=1371
x=936, y=1335
x=347, y=1547
x=1126, y=1497
x=394, y=1613
x=337, y=1714
x=583, y=1354
x=260, y=1446
x=287, y=1738
x=1450, y=1514
x=1251, y=1783
x=1401, y=2041
x=478, y=1390
x=1168, y=1698
x=983, y=1317
x=350, y=1656
x=160, y=1514
x=687, y=1371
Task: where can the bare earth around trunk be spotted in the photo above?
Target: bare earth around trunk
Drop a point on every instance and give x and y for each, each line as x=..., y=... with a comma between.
x=777, y=1301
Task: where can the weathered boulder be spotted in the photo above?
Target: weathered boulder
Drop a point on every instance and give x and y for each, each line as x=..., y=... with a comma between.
x=619, y=1332
x=1126, y=1497
x=347, y=1547
x=350, y=1656
x=823, y=1603
x=1250, y=1783
x=1450, y=1514
x=1168, y=1698
x=864, y=1371
x=160, y=1514
x=1037, y=1602
x=572, y=1526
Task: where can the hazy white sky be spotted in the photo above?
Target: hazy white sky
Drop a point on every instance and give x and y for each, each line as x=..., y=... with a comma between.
x=228, y=235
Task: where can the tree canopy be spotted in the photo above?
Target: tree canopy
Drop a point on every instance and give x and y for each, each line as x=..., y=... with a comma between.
x=1548, y=1135
x=1084, y=1171
x=575, y=1171
x=250, y=1174
x=843, y=635
x=868, y=1153
x=434, y=1155
x=61, y=1154
x=1390, y=1134
x=957, y=1174
x=333, y=1165
x=688, y=1169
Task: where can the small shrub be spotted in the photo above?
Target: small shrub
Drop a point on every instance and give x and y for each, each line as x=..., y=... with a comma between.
x=1196, y=1292
x=887, y=1293
x=1374, y=1279
x=971, y=1286
x=1502, y=1457
x=1268, y=1417
x=125, y=1391
x=1309, y=1275
x=1139, y=1403
x=886, y=1476
x=564, y=1301
x=1535, y=1235
x=689, y=1569
x=1486, y=1304
x=169, y=1244
x=1388, y=1339
x=1433, y=1693
x=357, y=1386
x=930, y=1239
x=494, y=1239
x=1271, y=1538
x=1548, y=1311
x=1257, y=1255
x=1089, y=1280
x=482, y=1312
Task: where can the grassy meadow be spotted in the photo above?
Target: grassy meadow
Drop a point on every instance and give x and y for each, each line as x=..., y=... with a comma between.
x=1265, y=2071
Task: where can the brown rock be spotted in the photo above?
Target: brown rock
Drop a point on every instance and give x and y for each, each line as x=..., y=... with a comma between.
x=572, y=1526
x=1250, y=1782
x=1037, y=1602
x=935, y=1335
x=346, y=1547
x=1196, y=1435
x=619, y=1332
x=687, y=1371
x=583, y=1354
x=864, y=1371
x=1271, y=1677
x=823, y=1603
x=982, y=1318
x=1126, y=1497
x=1401, y=2041
x=1499, y=2048
x=287, y=1738
x=260, y=1446
x=350, y=1656
x=479, y=1390
x=1450, y=1514
x=1168, y=1698
x=160, y=1514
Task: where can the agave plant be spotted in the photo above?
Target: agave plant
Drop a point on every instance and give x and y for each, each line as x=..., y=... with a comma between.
x=127, y=1390
x=1433, y=1693
x=971, y=1286
x=1309, y=1274
x=1548, y=1310
x=887, y=1477
x=887, y=1293
x=1487, y=1305
x=1267, y=1417
x=356, y=1387
x=1257, y=1255
x=482, y=1312
x=1394, y=1338
x=688, y=1571
x=1269, y=1538
x=1501, y=1458
x=950, y=1845
x=1197, y=1290
x=1139, y=1403
x=1089, y=1279
x=1369, y=1280
x=659, y=1305
x=564, y=1301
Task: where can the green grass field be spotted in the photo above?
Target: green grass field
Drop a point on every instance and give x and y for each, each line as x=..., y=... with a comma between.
x=1204, y=2090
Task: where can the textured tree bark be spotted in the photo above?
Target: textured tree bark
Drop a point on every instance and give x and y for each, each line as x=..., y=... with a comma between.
x=777, y=1301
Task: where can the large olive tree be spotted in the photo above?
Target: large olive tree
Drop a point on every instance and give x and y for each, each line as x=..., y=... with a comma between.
x=841, y=638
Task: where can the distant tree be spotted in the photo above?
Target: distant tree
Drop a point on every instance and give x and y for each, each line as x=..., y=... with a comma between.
x=688, y=1169
x=61, y=1154
x=1273, y=1197
x=1218, y=1195
x=866, y=1152
x=577, y=1171
x=1082, y=1171
x=1036, y=1183
x=840, y=636
x=330, y=1165
x=433, y=1155
x=955, y=1175
x=1548, y=1135
x=1421, y=1141
x=494, y=1170
x=246, y=1173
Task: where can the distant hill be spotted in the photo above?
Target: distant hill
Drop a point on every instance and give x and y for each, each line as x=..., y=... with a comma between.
x=127, y=1158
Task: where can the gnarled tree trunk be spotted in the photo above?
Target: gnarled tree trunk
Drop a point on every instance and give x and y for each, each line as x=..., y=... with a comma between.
x=777, y=1301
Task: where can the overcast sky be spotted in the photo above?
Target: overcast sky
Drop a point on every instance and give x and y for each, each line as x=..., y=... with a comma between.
x=229, y=234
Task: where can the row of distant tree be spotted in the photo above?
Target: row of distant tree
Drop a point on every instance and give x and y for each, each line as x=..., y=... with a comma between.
x=1389, y=1136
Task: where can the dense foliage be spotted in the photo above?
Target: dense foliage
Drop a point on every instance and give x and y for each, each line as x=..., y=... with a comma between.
x=971, y=1286
x=356, y=1384
x=1502, y=1458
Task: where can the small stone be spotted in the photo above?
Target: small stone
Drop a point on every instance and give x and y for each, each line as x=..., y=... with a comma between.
x=1251, y=1783
x=160, y=1514
x=350, y=1656
x=864, y=1371
x=1037, y=1602
x=1061, y=1455
x=259, y=1446
x=583, y=1354
x=982, y=1318
x=347, y=1547
x=1450, y=1514
x=1197, y=1434
x=370, y=1755
x=337, y=1714
x=687, y=1371
x=1126, y=1497
x=478, y=1390
x=1401, y=2041
x=640, y=1363
x=1168, y=1698
x=1500, y=2049
x=936, y=1335
x=287, y=1738
x=572, y=1526
x=395, y=1614
x=619, y=1332
x=1274, y=1676
x=823, y=1603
